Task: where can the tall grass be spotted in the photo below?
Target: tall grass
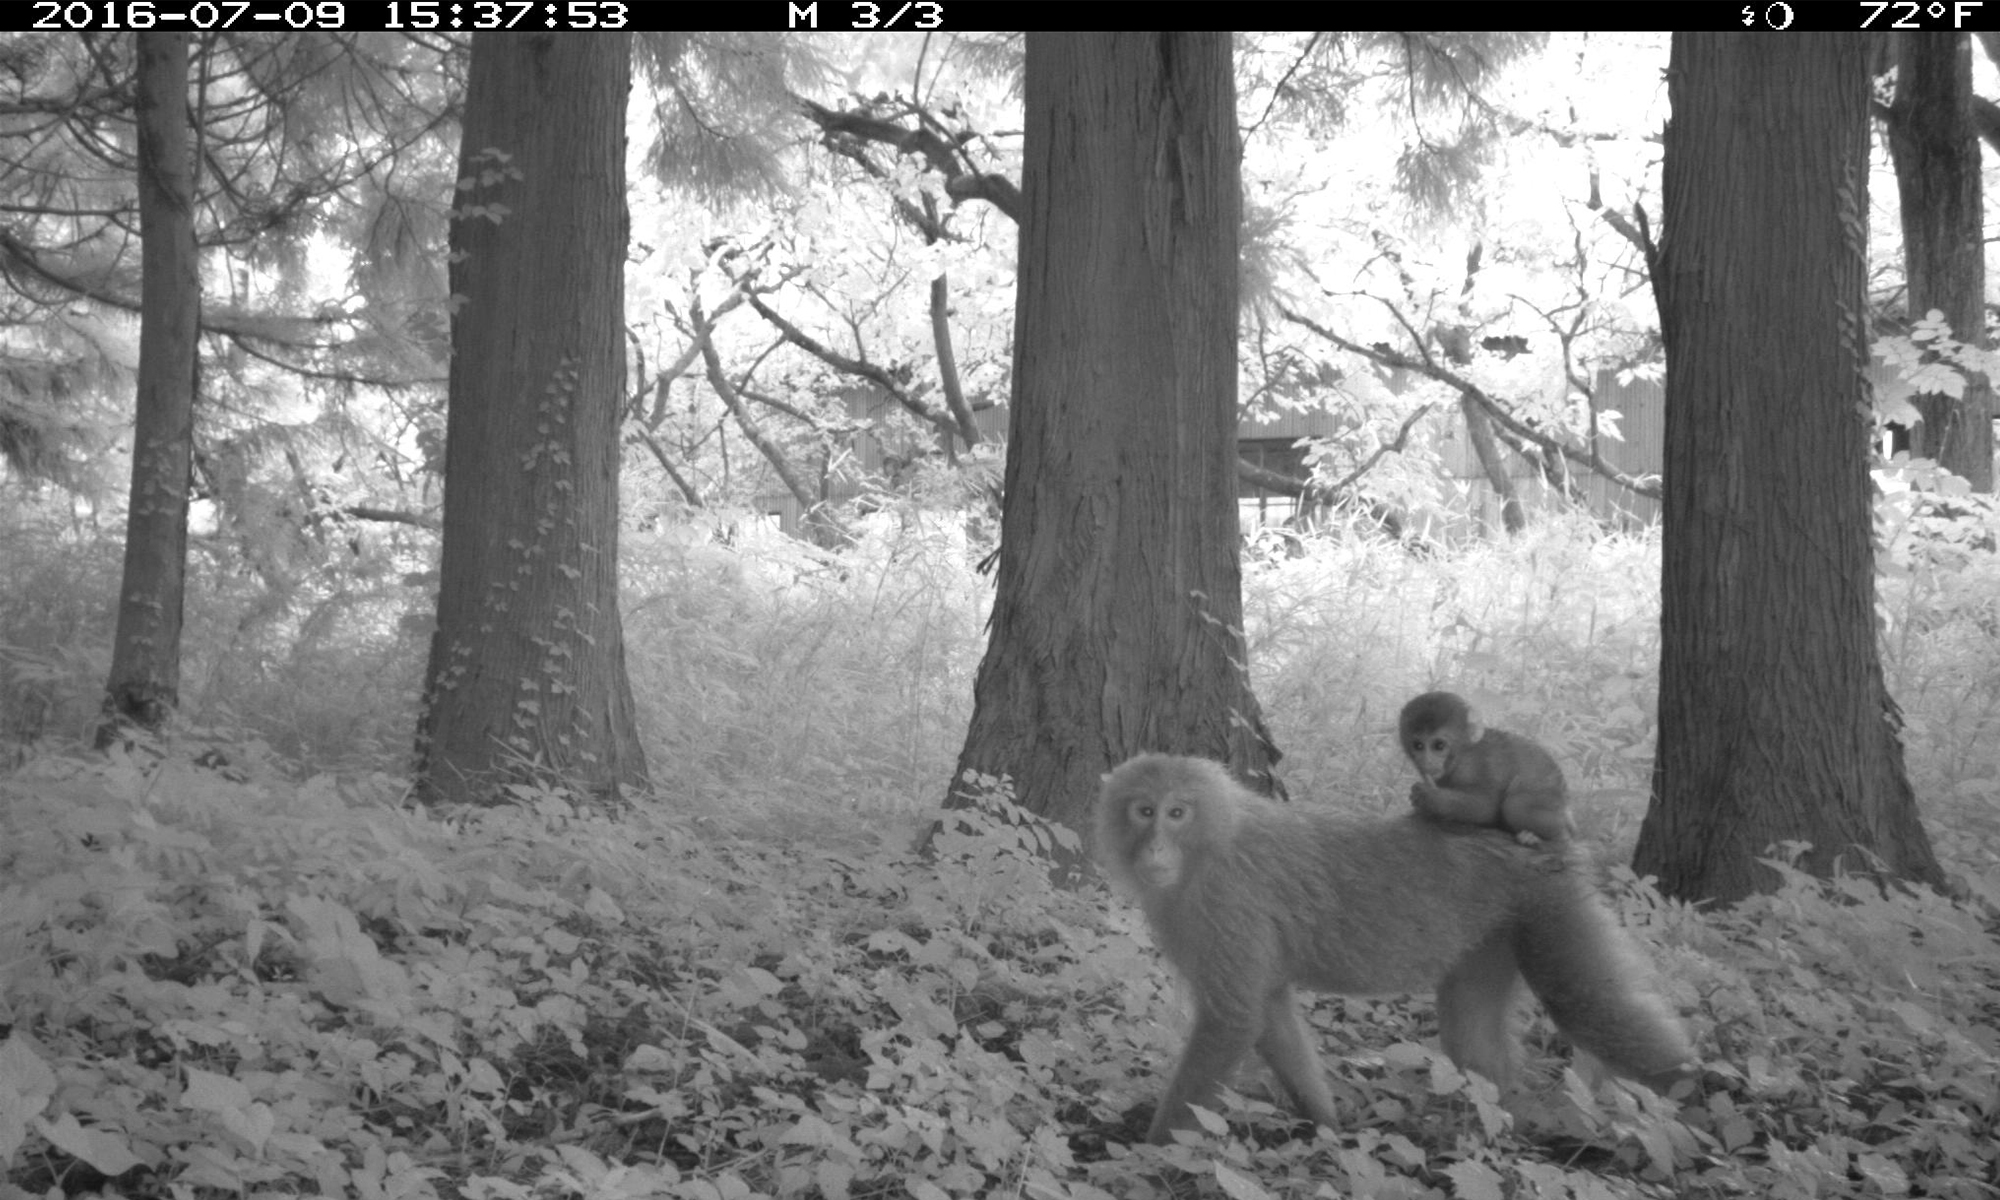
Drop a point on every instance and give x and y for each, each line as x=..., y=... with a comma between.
x=1554, y=634
x=766, y=669
x=789, y=686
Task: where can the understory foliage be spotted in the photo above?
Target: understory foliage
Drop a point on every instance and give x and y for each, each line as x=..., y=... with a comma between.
x=264, y=988
x=272, y=976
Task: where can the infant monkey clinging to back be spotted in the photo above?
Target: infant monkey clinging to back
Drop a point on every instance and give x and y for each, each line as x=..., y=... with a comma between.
x=1479, y=776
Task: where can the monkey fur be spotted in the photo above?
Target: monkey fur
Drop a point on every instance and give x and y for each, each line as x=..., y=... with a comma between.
x=1247, y=898
x=1480, y=776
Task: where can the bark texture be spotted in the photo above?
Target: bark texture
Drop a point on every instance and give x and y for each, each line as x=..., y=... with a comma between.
x=1935, y=146
x=144, y=685
x=1775, y=722
x=526, y=680
x=1117, y=616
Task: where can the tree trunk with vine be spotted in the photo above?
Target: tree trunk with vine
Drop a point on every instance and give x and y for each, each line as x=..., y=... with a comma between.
x=526, y=682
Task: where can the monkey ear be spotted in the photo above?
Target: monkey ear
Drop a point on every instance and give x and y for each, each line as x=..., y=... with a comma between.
x=1473, y=729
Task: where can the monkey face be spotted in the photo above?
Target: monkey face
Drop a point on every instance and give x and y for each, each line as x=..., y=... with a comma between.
x=1435, y=727
x=1159, y=827
x=1432, y=753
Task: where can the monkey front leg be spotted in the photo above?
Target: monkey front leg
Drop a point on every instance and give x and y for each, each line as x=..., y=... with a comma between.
x=1215, y=1045
x=1287, y=1047
x=1449, y=804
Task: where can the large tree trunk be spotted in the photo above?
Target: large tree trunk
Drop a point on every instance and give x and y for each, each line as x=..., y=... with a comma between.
x=144, y=684
x=1936, y=151
x=1775, y=722
x=1117, y=619
x=527, y=668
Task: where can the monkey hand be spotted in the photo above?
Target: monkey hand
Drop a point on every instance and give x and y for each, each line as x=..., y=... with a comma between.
x=1424, y=797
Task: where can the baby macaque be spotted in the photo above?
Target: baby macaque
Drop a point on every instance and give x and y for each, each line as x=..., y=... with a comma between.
x=1479, y=776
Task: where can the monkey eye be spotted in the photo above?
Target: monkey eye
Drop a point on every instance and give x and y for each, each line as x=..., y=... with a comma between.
x=1176, y=812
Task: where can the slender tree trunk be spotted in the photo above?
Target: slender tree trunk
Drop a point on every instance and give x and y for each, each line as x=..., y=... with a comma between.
x=1479, y=429
x=1775, y=722
x=1117, y=616
x=144, y=685
x=947, y=361
x=1936, y=151
x=527, y=668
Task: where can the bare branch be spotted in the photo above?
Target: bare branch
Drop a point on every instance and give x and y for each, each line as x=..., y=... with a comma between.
x=852, y=366
x=1501, y=416
x=703, y=330
x=962, y=181
x=772, y=452
x=687, y=489
x=395, y=516
x=1634, y=231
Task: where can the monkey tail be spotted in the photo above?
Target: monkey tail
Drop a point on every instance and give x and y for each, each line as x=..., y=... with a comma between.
x=1596, y=984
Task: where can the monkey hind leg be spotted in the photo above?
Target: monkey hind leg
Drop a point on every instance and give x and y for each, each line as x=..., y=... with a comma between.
x=1478, y=1004
x=1287, y=1046
x=1598, y=987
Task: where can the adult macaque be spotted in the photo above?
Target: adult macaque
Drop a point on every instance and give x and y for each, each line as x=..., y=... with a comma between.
x=1479, y=776
x=1247, y=898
